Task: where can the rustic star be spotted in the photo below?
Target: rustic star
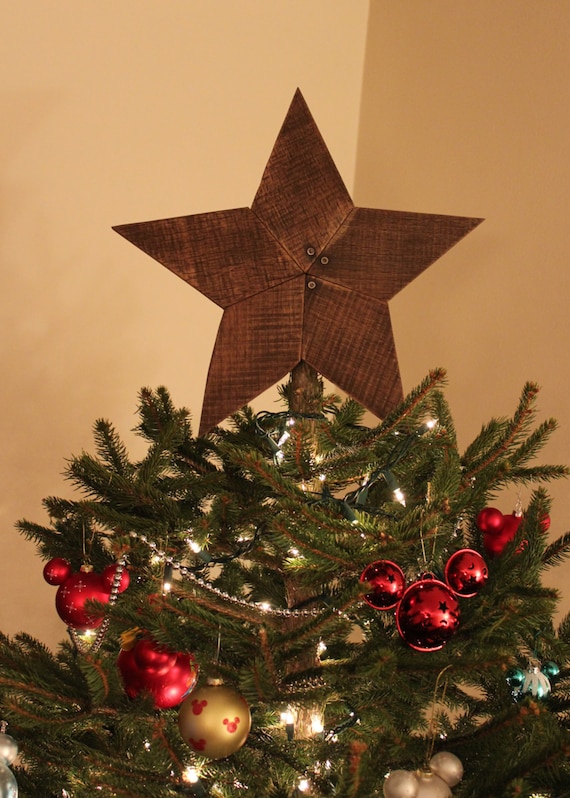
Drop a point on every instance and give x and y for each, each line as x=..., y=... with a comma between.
x=302, y=275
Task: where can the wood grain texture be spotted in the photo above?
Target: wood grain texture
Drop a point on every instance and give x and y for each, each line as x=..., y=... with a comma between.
x=226, y=255
x=303, y=276
x=258, y=342
x=301, y=198
x=377, y=252
x=347, y=337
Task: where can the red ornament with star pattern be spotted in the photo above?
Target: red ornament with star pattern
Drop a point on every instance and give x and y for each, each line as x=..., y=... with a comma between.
x=76, y=590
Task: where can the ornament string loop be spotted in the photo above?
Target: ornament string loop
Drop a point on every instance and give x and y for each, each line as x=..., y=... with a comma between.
x=432, y=723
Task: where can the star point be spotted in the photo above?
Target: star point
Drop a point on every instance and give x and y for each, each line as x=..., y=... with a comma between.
x=302, y=275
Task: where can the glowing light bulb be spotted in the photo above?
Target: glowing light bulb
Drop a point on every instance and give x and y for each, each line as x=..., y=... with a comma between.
x=399, y=496
x=321, y=648
x=196, y=548
x=431, y=423
x=287, y=717
x=294, y=552
x=283, y=439
x=304, y=785
x=265, y=606
x=317, y=726
x=322, y=477
x=191, y=775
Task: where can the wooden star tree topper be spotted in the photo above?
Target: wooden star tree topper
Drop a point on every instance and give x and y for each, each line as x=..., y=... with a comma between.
x=303, y=276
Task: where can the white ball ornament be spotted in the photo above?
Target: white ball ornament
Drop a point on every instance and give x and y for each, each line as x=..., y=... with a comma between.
x=431, y=786
x=8, y=748
x=8, y=783
x=401, y=784
x=447, y=766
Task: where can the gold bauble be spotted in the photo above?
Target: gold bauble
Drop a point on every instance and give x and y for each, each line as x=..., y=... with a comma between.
x=214, y=721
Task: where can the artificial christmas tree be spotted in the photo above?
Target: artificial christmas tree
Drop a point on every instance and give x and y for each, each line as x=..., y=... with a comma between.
x=313, y=605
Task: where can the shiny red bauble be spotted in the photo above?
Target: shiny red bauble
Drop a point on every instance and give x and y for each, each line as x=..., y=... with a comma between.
x=168, y=679
x=75, y=590
x=57, y=570
x=109, y=576
x=494, y=543
x=466, y=572
x=428, y=614
x=156, y=660
x=489, y=519
x=498, y=529
x=73, y=595
x=388, y=584
x=544, y=522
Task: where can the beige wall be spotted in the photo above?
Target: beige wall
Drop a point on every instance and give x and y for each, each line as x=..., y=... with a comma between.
x=120, y=112
x=466, y=111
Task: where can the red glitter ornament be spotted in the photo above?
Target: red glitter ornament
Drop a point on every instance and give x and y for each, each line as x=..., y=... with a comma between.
x=498, y=529
x=168, y=676
x=489, y=520
x=545, y=522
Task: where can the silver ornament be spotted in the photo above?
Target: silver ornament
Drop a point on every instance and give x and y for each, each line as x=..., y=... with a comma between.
x=447, y=766
x=8, y=783
x=535, y=683
x=431, y=786
x=8, y=748
x=401, y=784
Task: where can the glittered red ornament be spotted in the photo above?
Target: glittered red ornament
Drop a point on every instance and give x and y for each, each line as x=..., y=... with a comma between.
x=466, y=572
x=428, y=614
x=72, y=596
x=388, y=584
x=154, y=659
x=489, y=520
x=168, y=686
x=57, y=570
x=494, y=541
x=544, y=522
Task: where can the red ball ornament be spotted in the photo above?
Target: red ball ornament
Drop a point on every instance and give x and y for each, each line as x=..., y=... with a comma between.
x=489, y=520
x=428, y=614
x=466, y=572
x=72, y=596
x=168, y=686
x=152, y=658
x=57, y=570
x=388, y=582
x=494, y=541
x=108, y=578
x=544, y=522
x=214, y=721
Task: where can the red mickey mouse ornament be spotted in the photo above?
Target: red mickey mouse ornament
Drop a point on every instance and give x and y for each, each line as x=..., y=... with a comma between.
x=77, y=589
